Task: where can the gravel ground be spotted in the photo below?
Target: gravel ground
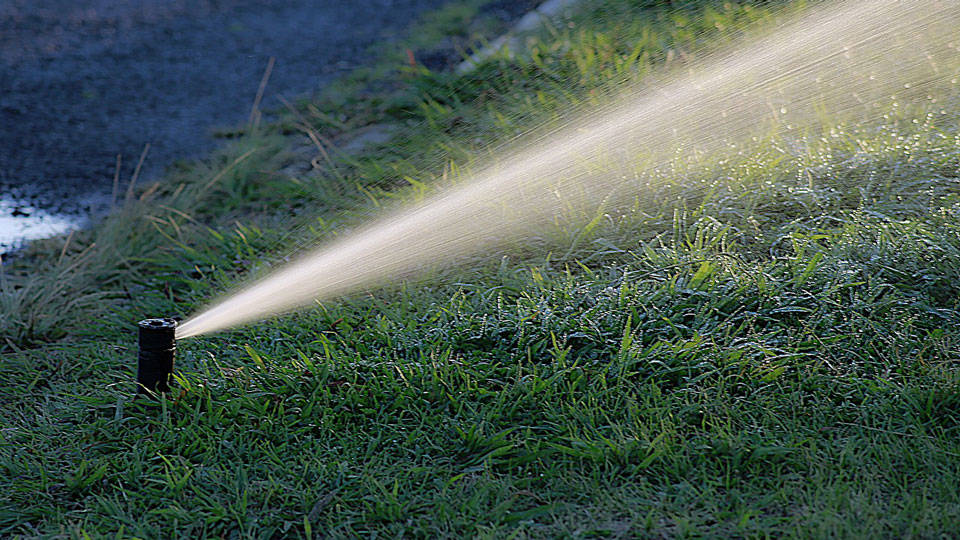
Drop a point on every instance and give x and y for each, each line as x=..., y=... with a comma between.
x=84, y=80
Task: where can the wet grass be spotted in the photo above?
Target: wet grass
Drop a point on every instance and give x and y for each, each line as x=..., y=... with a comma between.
x=763, y=345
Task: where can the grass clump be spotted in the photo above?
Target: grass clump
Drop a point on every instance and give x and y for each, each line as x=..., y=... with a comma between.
x=764, y=345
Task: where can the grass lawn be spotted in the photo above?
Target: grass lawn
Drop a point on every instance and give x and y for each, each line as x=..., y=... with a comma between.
x=765, y=345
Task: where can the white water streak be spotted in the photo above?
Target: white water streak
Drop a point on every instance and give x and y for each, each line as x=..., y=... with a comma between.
x=844, y=58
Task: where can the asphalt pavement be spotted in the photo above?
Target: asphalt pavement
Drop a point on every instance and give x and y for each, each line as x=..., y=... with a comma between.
x=82, y=81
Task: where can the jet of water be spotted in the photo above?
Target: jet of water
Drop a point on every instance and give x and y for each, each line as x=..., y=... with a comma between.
x=845, y=58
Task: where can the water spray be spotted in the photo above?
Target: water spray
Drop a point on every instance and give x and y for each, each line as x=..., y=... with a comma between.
x=155, y=362
x=848, y=58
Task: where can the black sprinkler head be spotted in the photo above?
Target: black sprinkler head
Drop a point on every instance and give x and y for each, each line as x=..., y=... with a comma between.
x=157, y=347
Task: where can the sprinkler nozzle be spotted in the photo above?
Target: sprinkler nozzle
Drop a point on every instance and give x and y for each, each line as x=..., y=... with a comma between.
x=155, y=363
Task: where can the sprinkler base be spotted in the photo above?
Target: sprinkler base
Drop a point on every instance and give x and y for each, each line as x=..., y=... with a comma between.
x=155, y=360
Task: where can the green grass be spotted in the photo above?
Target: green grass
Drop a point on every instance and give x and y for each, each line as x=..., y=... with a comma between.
x=761, y=346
